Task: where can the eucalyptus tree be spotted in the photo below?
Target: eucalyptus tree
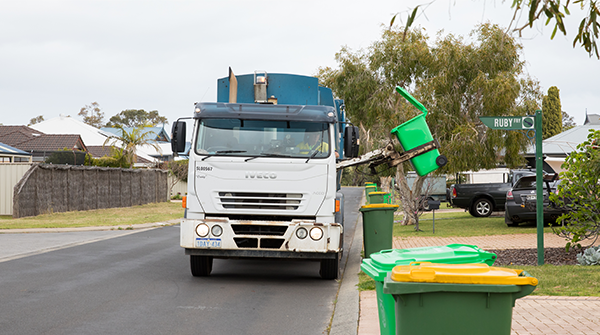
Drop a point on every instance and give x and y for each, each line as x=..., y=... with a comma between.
x=456, y=80
x=92, y=115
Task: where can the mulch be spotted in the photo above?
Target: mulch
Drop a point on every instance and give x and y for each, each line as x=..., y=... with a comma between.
x=554, y=256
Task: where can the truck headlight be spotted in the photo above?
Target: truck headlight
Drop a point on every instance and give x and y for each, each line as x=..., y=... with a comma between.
x=202, y=230
x=301, y=233
x=217, y=230
x=316, y=233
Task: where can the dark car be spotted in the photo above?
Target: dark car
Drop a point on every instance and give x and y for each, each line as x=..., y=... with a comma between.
x=521, y=201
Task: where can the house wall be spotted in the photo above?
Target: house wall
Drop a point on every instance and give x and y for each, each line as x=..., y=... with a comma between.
x=10, y=174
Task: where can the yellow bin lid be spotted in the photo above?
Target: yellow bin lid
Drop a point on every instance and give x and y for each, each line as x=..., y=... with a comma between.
x=389, y=206
x=426, y=272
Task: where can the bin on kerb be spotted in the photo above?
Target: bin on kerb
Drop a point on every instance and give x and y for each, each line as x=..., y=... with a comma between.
x=415, y=132
x=381, y=264
x=456, y=298
x=376, y=197
x=370, y=188
x=378, y=226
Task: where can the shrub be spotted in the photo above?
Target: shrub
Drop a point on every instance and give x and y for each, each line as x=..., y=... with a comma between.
x=591, y=256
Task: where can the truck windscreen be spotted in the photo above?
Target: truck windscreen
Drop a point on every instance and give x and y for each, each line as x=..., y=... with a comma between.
x=256, y=138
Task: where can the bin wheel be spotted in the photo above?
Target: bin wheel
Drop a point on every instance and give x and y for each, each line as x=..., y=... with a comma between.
x=330, y=268
x=201, y=266
x=441, y=160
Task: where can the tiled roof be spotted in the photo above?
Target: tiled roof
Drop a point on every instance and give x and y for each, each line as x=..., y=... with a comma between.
x=98, y=151
x=49, y=142
x=15, y=135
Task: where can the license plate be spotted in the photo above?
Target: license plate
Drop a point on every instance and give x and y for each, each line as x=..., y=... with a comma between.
x=531, y=196
x=208, y=243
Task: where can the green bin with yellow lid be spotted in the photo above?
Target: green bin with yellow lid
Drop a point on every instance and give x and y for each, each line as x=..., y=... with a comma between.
x=465, y=299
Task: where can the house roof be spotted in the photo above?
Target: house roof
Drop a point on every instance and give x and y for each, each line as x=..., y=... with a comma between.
x=98, y=151
x=158, y=134
x=593, y=119
x=91, y=136
x=15, y=135
x=51, y=142
x=8, y=150
x=68, y=125
x=566, y=142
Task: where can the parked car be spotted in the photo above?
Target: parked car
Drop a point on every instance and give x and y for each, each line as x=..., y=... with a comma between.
x=481, y=199
x=521, y=201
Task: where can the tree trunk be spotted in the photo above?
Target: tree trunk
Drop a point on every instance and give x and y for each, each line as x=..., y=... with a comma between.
x=411, y=201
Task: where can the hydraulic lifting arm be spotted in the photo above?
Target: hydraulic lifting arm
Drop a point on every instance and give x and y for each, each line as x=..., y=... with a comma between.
x=388, y=155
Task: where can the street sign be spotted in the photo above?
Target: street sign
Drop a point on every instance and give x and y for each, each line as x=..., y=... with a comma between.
x=509, y=122
x=528, y=123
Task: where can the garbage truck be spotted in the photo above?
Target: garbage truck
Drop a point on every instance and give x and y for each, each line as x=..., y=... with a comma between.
x=262, y=179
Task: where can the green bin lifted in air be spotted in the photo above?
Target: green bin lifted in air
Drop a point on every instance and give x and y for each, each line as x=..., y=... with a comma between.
x=415, y=133
x=456, y=298
x=382, y=263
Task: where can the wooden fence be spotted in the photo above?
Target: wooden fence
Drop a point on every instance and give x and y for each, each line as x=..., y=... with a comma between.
x=61, y=188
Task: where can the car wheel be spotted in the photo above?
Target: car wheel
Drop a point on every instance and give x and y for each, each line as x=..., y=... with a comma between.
x=482, y=208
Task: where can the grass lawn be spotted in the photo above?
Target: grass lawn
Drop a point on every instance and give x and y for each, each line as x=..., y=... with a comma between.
x=149, y=213
x=564, y=280
x=449, y=224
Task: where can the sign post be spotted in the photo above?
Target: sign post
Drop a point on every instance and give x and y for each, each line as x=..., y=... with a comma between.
x=533, y=122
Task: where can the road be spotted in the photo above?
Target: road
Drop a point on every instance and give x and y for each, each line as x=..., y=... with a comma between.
x=140, y=283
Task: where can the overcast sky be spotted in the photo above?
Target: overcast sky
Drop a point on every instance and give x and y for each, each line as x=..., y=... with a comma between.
x=57, y=56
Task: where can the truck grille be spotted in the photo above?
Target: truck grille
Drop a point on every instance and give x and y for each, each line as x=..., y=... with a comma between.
x=266, y=201
x=244, y=229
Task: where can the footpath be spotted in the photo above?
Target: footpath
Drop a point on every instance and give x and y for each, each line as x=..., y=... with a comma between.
x=531, y=315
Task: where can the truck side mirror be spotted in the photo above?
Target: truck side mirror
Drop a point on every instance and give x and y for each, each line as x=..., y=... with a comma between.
x=351, y=142
x=178, y=137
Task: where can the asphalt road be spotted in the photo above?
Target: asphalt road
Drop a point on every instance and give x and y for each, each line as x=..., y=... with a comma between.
x=140, y=283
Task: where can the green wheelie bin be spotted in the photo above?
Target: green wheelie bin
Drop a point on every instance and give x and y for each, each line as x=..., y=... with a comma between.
x=381, y=264
x=377, y=198
x=456, y=298
x=370, y=188
x=378, y=226
x=414, y=133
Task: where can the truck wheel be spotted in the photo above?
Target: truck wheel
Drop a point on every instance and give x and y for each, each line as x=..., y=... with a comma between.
x=330, y=268
x=481, y=208
x=201, y=266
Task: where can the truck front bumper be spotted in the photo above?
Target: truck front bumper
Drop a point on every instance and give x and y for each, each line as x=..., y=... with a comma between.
x=221, y=237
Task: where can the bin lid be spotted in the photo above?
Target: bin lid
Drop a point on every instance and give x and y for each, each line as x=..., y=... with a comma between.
x=382, y=206
x=370, y=193
x=426, y=272
x=382, y=262
x=411, y=99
